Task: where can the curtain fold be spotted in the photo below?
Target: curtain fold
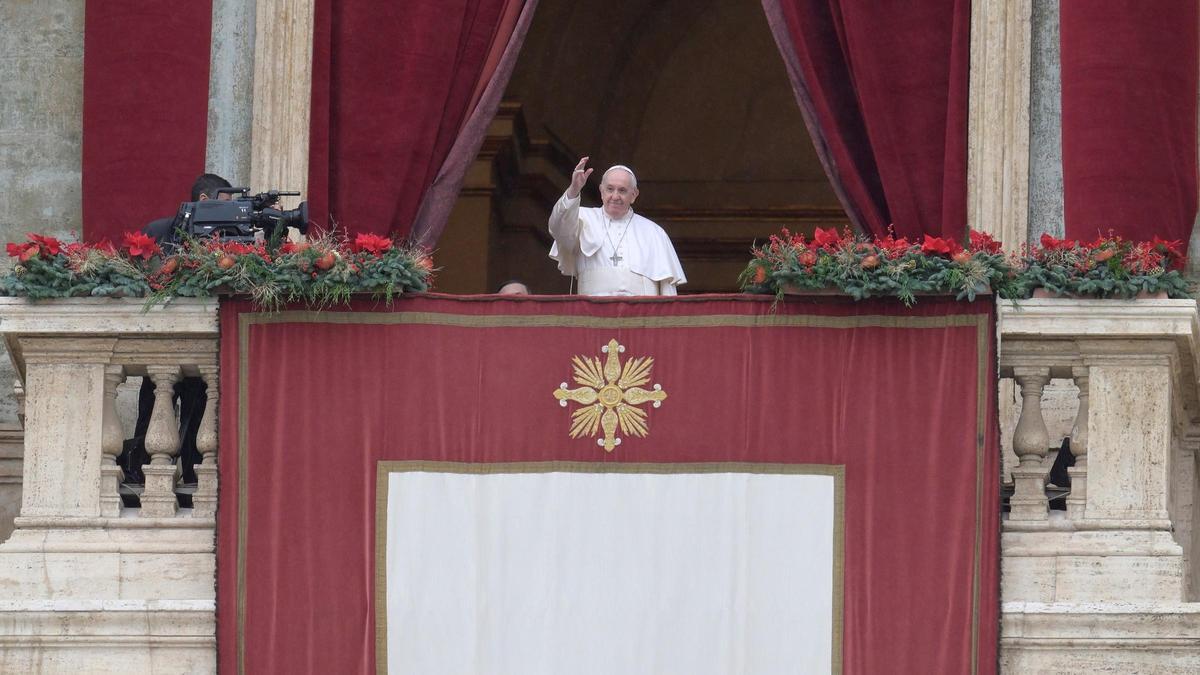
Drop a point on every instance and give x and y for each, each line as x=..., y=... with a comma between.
x=393, y=86
x=1129, y=88
x=440, y=198
x=883, y=90
x=145, y=110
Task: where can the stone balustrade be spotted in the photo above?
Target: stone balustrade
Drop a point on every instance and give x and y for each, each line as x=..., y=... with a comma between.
x=1105, y=584
x=86, y=582
x=89, y=584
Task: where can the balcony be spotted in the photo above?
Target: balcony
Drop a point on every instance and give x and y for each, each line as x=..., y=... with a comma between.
x=1098, y=573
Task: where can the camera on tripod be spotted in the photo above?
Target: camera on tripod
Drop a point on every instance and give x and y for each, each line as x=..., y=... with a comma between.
x=243, y=218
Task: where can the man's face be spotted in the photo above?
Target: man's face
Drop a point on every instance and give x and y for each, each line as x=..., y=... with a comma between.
x=617, y=193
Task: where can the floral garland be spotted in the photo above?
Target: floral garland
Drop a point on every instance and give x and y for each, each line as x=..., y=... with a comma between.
x=320, y=272
x=1109, y=267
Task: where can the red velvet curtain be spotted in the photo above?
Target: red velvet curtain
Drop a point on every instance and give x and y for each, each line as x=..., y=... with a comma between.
x=903, y=399
x=883, y=89
x=145, y=110
x=1129, y=87
x=393, y=84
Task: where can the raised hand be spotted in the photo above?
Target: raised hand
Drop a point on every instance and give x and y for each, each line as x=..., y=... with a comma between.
x=578, y=178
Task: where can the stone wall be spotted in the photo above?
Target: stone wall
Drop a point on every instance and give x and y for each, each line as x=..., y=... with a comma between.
x=41, y=129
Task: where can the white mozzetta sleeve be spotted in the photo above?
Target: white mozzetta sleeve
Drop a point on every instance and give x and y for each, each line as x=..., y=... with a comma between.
x=565, y=224
x=574, y=235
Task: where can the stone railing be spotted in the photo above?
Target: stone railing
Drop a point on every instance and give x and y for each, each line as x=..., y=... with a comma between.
x=87, y=584
x=1104, y=584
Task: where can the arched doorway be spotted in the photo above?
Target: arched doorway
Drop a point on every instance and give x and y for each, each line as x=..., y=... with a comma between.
x=692, y=95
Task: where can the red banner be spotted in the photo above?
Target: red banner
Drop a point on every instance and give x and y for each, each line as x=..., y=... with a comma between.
x=901, y=399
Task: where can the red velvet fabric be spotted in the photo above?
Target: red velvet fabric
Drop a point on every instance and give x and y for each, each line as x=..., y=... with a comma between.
x=1129, y=80
x=884, y=90
x=145, y=110
x=908, y=410
x=392, y=86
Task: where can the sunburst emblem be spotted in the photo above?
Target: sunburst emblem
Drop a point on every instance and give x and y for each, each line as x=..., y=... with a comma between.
x=609, y=395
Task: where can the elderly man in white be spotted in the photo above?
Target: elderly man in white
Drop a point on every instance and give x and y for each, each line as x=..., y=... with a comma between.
x=611, y=249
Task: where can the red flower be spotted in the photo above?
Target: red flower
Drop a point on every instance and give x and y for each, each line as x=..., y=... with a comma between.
x=105, y=246
x=1173, y=250
x=1051, y=244
x=893, y=247
x=20, y=251
x=936, y=245
x=293, y=247
x=48, y=245
x=140, y=245
x=982, y=241
x=827, y=239
x=372, y=243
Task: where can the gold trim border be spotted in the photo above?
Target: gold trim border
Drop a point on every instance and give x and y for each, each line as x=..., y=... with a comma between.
x=248, y=319
x=384, y=468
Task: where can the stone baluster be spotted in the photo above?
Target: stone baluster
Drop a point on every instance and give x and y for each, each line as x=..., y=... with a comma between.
x=112, y=440
x=204, y=501
x=162, y=442
x=1077, y=500
x=1031, y=441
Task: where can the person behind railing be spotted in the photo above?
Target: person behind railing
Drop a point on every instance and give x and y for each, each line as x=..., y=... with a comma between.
x=513, y=287
x=612, y=250
x=205, y=187
x=189, y=395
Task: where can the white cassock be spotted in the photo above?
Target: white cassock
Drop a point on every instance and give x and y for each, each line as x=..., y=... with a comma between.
x=630, y=256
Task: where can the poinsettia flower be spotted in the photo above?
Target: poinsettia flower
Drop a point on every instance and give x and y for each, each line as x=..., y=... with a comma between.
x=372, y=243
x=982, y=241
x=140, y=245
x=18, y=250
x=105, y=246
x=936, y=246
x=47, y=245
x=827, y=239
x=1051, y=244
x=1173, y=249
x=893, y=247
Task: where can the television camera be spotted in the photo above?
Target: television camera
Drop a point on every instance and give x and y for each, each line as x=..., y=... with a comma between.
x=243, y=218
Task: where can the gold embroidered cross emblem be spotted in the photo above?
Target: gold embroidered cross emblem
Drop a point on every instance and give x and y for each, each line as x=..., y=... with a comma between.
x=609, y=395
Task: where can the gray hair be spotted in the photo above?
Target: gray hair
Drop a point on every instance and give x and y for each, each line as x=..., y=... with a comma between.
x=622, y=167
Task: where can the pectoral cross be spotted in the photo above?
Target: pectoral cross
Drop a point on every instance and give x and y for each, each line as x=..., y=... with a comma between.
x=615, y=258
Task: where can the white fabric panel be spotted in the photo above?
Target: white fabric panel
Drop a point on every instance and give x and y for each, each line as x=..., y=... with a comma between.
x=580, y=573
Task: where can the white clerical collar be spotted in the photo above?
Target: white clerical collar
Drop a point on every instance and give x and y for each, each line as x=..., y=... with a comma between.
x=618, y=221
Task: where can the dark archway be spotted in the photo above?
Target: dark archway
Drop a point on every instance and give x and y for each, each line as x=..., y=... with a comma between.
x=692, y=95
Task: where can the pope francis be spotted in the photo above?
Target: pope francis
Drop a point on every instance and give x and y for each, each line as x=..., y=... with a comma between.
x=612, y=250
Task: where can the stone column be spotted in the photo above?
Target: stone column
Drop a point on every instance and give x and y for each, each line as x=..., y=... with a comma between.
x=282, y=92
x=1046, y=211
x=204, y=501
x=1077, y=500
x=111, y=443
x=162, y=442
x=1030, y=441
x=64, y=380
x=230, y=90
x=998, y=120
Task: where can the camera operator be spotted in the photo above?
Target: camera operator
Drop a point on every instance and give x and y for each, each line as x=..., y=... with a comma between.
x=189, y=396
x=207, y=186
